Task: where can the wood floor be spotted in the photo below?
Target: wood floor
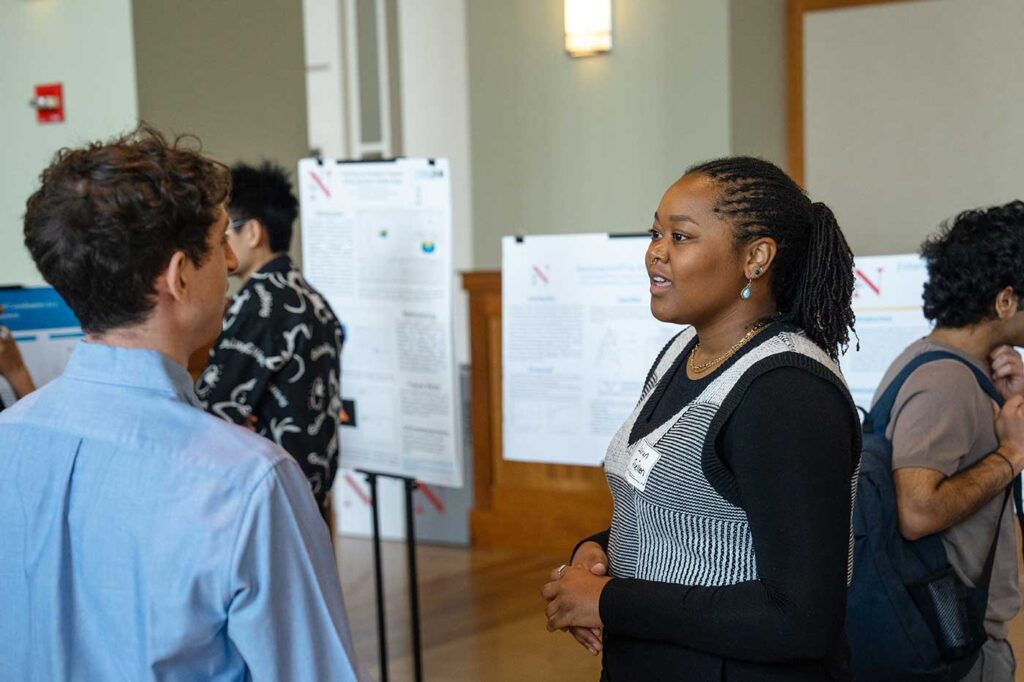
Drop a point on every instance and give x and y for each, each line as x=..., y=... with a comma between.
x=481, y=613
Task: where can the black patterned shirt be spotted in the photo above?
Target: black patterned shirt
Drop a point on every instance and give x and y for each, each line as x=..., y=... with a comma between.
x=275, y=369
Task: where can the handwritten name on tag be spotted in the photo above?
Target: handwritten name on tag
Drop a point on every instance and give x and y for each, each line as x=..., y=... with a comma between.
x=640, y=465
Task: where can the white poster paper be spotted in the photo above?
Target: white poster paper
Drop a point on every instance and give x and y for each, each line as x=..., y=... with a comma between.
x=376, y=242
x=887, y=302
x=45, y=330
x=441, y=512
x=578, y=339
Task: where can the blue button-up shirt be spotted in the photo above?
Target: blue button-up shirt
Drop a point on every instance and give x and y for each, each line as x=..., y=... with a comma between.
x=141, y=538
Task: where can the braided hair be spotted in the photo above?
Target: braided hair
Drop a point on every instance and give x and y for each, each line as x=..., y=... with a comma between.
x=812, y=275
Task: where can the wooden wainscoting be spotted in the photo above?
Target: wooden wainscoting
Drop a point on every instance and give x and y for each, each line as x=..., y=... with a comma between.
x=517, y=504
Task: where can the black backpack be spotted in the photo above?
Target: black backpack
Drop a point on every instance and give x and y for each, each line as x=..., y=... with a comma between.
x=909, y=616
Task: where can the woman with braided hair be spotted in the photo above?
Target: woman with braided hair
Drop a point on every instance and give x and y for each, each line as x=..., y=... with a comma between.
x=728, y=553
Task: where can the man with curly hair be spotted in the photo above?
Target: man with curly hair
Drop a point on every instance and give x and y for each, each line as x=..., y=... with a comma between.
x=954, y=451
x=275, y=367
x=141, y=537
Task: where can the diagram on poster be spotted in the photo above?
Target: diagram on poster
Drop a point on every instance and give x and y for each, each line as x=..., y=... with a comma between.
x=578, y=339
x=45, y=330
x=887, y=302
x=376, y=242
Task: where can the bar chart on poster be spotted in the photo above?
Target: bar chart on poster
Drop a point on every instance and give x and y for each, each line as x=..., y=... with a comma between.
x=578, y=339
x=376, y=242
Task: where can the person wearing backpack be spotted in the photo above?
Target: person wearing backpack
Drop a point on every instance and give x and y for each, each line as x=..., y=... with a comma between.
x=955, y=453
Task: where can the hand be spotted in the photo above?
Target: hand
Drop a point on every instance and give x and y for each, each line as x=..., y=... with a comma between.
x=574, y=599
x=12, y=366
x=1007, y=371
x=592, y=557
x=589, y=638
x=10, y=356
x=1010, y=431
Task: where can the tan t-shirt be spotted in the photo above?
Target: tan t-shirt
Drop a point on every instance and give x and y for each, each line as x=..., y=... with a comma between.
x=943, y=420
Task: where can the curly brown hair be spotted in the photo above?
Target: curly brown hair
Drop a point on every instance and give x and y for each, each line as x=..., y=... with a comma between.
x=109, y=216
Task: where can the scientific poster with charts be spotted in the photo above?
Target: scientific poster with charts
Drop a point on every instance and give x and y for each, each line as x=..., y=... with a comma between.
x=887, y=302
x=578, y=339
x=45, y=330
x=376, y=242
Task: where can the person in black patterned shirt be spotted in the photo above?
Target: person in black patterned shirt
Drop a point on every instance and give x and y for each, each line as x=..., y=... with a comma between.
x=275, y=366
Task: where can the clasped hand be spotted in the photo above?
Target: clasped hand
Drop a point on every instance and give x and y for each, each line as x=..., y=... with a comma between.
x=574, y=595
x=1007, y=371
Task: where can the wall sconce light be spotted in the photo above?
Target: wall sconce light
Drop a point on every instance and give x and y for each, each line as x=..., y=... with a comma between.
x=588, y=27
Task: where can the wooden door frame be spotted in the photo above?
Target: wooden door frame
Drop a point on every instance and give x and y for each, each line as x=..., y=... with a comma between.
x=795, y=11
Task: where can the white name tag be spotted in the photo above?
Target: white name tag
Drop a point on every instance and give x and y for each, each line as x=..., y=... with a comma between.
x=640, y=465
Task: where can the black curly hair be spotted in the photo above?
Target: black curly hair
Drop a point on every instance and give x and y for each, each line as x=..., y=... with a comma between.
x=973, y=257
x=109, y=216
x=264, y=192
x=812, y=276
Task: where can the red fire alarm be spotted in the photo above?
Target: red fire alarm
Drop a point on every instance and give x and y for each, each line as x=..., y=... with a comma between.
x=49, y=103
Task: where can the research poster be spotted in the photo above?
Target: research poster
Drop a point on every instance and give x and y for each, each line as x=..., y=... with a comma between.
x=578, y=339
x=887, y=302
x=44, y=328
x=376, y=242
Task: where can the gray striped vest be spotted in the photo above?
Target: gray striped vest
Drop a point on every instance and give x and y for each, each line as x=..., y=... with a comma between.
x=680, y=528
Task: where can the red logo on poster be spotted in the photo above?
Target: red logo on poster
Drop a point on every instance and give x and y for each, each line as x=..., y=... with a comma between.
x=874, y=283
x=49, y=103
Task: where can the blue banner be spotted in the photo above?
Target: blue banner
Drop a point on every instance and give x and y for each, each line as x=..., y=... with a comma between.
x=35, y=308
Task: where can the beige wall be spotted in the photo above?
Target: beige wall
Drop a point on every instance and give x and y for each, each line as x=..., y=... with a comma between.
x=88, y=47
x=231, y=72
x=557, y=144
x=586, y=145
x=435, y=117
x=913, y=114
x=757, y=66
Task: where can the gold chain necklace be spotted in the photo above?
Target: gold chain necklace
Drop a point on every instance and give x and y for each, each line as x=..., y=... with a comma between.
x=697, y=369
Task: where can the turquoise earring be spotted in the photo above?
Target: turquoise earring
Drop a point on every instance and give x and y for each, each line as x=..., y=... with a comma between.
x=745, y=294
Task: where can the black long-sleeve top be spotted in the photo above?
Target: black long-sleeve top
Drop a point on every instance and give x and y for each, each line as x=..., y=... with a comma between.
x=790, y=445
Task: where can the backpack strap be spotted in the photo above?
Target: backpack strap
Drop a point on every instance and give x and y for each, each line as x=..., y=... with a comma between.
x=1018, y=503
x=980, y=596
x=878, y=419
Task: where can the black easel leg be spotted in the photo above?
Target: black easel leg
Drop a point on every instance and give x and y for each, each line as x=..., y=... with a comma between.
x=382, y=641
x=414, y=588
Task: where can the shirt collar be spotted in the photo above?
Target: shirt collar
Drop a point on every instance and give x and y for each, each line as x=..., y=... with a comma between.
x=132, y=368
x=282, y=263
